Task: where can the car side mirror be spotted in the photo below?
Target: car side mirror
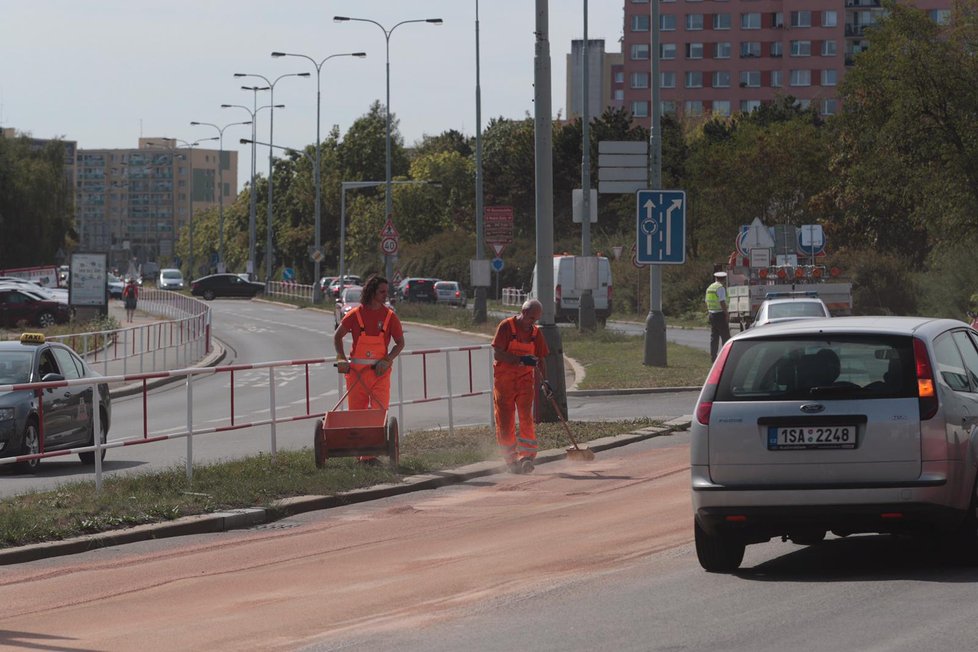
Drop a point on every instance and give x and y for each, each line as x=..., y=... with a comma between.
x=50, y=378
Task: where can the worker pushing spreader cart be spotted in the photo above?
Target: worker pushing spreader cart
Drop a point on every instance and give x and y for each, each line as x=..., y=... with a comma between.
x=364, y=430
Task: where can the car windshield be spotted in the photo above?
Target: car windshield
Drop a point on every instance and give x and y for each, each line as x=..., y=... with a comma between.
x=792, y=368
x=795, y=309
x=15, y=366
x=352, y=296
x=171, y=274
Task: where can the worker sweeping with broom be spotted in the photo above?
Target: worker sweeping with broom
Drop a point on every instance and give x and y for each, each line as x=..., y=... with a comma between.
x=518, y=352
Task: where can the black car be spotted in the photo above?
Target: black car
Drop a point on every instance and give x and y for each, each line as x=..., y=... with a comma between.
x=224, y=285
x=56, y=419
x=17, y=306
x=417, y=289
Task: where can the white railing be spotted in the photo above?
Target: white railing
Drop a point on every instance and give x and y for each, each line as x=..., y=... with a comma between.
x=285, y=410
x=288, y=289
x=513, y=297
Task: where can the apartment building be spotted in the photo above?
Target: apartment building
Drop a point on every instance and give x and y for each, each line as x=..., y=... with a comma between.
x=725, y=56
x=132, y=203
x=606, y=79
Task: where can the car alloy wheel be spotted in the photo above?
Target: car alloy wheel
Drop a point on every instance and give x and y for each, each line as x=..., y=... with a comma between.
x=208, y=295
x=45, y=319
x=32, y=446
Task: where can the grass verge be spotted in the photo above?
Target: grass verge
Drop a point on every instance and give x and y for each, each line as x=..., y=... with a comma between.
x=75, y=508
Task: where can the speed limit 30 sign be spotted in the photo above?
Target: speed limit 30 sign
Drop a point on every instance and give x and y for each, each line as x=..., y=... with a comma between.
x=389, y=246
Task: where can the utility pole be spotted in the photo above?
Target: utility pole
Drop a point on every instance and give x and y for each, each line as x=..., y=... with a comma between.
x=655, y=322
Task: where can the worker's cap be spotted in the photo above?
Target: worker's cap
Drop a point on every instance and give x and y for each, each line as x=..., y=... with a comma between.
x=720, y=274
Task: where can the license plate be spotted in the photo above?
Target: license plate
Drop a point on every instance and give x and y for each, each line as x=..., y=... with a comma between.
x=801, y=437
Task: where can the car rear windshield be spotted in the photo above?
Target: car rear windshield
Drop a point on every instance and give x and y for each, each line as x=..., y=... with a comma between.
x=795, y=309
x=840, y=366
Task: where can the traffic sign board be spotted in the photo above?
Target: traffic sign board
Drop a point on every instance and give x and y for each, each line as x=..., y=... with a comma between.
x=661, y=227
x=497, y=264
x=498, y=248
x=498, y=224
x=389, y=246
x=397, y=277
x=389, y=231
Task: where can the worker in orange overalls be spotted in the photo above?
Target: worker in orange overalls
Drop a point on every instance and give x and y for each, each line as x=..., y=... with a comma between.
x=518, y=353
x=373, y=325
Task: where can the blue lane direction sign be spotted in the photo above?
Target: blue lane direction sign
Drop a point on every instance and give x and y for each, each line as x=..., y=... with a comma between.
x=661, y=227
x=497, y=265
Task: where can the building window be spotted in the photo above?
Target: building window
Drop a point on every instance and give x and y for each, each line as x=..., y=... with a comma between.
x=694, y=79
x=801, y=18
x=746, y=106
x=640, y=109
x=803, y=103
x=723, y=50
x=640, y=2
x=940, y=16
x=777, y=79
x=721, y=107
x=750, y=21
x=801, y=78
x=667, y=23
x=694, y=22
x=640, y=51
x=694, y=108
x=829, y=107
x=777, y=20
x=777, y=49
x=640, y=22
x=801, y=48
x=668, y=51
x=619, y=76
x=667, y=79
x=722, y=21
x=668, y=106
x=721, y=79
x=828, y=48
x=750, y=49
x=830, y=77
x=619, y=95
x=640, y=80
x=830, y=18
x=750, y=79
x=694, y=50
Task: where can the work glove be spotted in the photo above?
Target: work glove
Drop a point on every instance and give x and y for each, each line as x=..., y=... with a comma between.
x=381, y=367
x=528, y=360
x=548, y=391
x=343, y=366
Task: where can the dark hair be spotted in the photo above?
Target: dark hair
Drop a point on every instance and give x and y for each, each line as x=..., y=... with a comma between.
x=370, y=288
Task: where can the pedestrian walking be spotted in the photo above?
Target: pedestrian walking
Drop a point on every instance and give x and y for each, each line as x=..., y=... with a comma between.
x=518, y=352
x=372, y=326
x=130, y=293
x=716, y=305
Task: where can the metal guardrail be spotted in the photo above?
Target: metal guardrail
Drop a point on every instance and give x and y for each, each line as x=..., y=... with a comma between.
x=289, y=290
x=513, y=297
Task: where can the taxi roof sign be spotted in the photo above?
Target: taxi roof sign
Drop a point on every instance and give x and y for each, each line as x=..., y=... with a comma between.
x=32, y=338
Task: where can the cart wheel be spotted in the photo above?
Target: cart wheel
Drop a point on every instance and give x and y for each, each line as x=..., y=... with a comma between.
x=318, y=445
x=393, y=443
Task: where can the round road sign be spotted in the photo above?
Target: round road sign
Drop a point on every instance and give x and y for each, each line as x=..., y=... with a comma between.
x=388, y=246
x=497, y=264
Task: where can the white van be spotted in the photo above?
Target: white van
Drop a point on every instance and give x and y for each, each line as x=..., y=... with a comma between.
x=567, y=297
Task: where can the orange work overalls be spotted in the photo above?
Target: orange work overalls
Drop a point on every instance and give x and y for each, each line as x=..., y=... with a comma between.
x=513, y=390
x=367, y=389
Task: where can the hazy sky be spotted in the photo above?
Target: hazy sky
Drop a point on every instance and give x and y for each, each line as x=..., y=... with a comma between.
x=105, y=72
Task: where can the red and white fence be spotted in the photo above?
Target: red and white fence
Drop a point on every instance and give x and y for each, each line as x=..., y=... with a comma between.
x=289, y=289
x=417, y=389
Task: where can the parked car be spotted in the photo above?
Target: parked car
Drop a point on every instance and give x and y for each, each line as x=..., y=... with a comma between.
x=114, y=284
x=334, y=286
x=845, y=425
x=170, y=279
x=64, y=413
x=786, y=306
x=349, y=300
x=417, y=289
x=451, y=293
x=325, y=282
x=224, y=285
x=19, y=306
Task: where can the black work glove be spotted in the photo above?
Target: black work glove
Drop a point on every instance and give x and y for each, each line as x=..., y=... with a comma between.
x=548, y=391
x=528, y=360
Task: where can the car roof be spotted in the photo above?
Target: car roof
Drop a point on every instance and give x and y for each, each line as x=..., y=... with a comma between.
x=891, y=325
x=794, y=300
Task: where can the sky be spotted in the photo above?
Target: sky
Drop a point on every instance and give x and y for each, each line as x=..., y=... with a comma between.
x=105, y=72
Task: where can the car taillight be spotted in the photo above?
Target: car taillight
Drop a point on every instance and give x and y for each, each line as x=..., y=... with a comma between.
x=457, y=294
x=557, y=292
x=926, y=391
x=705, y=406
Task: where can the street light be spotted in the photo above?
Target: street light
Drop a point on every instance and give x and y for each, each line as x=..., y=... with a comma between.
x=220, y=196
x=190, y=188
x=387, y=108
x=317, y=293
x=271, y=157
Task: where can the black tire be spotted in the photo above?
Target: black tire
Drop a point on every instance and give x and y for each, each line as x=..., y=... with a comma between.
x=393, y=443
x=89, y=458
x=45, y=320
x=208, y=295
x=31, y=445
x=962, y=543
x=717, y=554
x=317, y=444
x=808, y=538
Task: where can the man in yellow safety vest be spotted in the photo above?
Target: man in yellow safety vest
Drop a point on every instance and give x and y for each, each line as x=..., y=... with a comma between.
x=716, y=305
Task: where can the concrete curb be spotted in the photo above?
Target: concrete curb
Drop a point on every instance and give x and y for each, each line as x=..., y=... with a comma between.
x=217, y=354
x=251, y=517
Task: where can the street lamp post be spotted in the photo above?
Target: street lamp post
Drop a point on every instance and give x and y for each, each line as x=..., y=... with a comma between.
x=271, y=158
x=388, y=263
x=220, y=182
x=317, y=293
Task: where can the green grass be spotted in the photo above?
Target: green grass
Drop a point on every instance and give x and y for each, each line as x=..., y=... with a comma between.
x=75, y=508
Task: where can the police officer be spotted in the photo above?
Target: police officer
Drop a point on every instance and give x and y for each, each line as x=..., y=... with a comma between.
x=716, y=305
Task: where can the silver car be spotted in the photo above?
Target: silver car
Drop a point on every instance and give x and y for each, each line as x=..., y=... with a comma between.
x=451, y=293
x=778, y=308
x=844, y=425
